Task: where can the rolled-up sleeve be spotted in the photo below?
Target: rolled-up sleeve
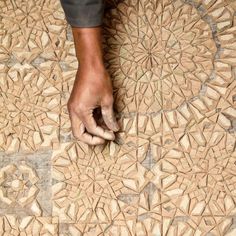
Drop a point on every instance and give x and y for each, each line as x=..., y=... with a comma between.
x=83, y=13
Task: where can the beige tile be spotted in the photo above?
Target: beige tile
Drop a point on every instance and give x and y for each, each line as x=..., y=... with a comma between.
x=30, y=105
x=28, y=225
x=25, y=184
x=89, y=181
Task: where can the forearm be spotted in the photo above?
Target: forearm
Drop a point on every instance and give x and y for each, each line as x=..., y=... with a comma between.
x=85, y=18
x=88, y=46
x=92, y=87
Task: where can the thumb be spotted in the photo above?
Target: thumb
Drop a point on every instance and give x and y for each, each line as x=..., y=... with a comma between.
x=109, y=117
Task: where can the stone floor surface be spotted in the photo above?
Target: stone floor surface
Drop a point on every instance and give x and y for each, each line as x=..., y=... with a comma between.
x=171, y=170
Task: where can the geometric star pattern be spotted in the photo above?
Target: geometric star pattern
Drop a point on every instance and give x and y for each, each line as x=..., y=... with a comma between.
x=170, y=170
x=29, y=225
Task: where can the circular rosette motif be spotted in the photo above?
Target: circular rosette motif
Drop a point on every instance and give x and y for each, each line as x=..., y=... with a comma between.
x=18, y=184
x=29, y=103
x=85, y=178
x=159, y=54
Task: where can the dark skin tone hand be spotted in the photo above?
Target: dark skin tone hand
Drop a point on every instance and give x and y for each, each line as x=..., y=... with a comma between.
x=92, y=89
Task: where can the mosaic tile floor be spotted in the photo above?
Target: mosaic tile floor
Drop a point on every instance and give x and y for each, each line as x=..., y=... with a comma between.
x=171, y=170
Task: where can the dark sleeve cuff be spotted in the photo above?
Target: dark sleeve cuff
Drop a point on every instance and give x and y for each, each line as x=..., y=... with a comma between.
x=83, y=13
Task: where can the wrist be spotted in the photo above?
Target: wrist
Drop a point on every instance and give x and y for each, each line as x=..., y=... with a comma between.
x=92, y=64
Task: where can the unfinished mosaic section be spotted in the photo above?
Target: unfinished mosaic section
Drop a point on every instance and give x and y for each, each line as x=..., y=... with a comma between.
x=25, y=184
x=171, y=169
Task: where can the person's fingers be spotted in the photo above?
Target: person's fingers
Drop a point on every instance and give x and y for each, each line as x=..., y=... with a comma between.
x=79, y=132
x=92, y=127
x=88, y=138
x=109, y=117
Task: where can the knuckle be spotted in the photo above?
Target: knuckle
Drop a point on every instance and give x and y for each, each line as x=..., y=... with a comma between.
x=75, y=135
x=90, y=129
x=108, y=101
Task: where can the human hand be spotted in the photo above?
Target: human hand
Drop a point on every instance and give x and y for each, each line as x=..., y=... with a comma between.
x=92, y=88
